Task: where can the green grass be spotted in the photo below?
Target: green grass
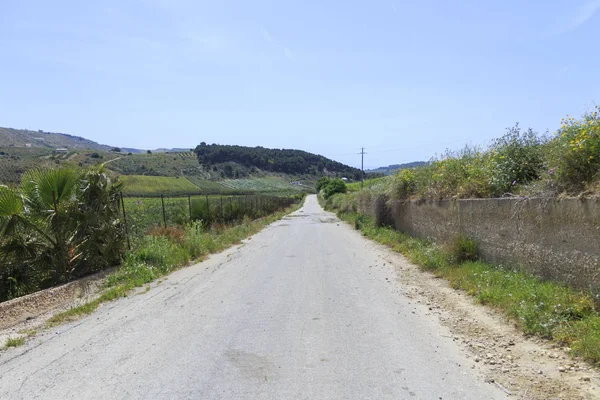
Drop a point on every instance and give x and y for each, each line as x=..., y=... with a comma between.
x=142, y=185
x=355, y=186
x=15, y=342
x=541, y=308
x=207, y=186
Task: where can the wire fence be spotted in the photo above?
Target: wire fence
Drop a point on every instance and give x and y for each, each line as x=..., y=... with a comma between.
x=141, y=214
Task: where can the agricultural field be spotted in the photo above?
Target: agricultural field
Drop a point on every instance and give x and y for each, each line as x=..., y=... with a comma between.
x=266, y=184
x=142, y=185
x=207, y=186
x=157, y=164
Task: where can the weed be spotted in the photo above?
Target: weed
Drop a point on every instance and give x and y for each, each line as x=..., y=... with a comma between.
x=27, y=332
x=461, y=249
x=15, y=342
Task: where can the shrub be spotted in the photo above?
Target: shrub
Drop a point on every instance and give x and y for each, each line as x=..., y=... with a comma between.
x=457, y=174
x=334, y=186
x=160, y=252
x=322, y=182
x=462, y=249
x=58, y=225
x=574, y=156
x=516, y=158
x=403, y=184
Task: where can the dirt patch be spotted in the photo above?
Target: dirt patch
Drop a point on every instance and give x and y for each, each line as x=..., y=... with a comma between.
x=524, y=368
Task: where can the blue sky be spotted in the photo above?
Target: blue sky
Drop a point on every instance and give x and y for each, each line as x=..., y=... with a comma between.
x=404, y=79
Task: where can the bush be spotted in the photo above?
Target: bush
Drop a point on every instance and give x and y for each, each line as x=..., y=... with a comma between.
x=457, y=174
x=334, y=186
x=462, y=249
x=574, y=156
x=403, y=184
x=59, y=224
x=161, y=252
x=516, y=158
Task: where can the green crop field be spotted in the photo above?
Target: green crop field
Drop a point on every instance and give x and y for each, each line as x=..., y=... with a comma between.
x=142, y=185
x=266, y=184
x=163, y=164
x=207, y=186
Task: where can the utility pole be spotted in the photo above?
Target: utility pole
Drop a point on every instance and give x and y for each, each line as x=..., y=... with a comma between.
x=362, y=166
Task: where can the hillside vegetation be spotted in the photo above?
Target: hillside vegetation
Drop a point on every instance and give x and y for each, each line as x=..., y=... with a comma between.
x=274, y=160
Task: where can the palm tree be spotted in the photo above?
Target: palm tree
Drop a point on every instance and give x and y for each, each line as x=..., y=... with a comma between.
x=59, y=224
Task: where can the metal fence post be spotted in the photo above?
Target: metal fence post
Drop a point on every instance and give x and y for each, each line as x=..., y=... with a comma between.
x=125, y=222
x=190, y=206
x=162, y=199
x=207, y=211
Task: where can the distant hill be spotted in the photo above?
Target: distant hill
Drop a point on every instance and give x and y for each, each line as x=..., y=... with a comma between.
x=390, y=169
x=10, y=137
x=210, y=168
x=273, y=160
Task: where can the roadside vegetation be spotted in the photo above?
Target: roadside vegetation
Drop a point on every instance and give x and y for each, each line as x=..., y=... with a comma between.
x=60, y=224
x=521, y=162
x=164, y=250
x=545, y=309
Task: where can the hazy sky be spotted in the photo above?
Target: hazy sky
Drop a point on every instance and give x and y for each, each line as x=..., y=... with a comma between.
x=405, y=79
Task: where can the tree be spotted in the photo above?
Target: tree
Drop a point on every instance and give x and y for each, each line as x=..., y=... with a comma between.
x=58, y=224
x=115, y=150
x=322, y=182
x=149, y=152
x=334, y=186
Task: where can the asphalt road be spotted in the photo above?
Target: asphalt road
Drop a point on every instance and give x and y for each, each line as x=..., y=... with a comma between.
x=303, y=310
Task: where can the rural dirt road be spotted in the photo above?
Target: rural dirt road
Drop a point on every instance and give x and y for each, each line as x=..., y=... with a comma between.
x=298, y=311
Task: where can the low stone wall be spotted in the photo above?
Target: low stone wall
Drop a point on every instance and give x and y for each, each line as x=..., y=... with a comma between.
x=72, y=294
x=557, y=239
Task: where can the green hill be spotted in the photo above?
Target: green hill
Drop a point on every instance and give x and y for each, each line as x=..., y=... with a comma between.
x=294, y=162
x=212, y=169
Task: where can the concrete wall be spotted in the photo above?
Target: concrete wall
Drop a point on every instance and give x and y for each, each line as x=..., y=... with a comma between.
x=556, y=239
